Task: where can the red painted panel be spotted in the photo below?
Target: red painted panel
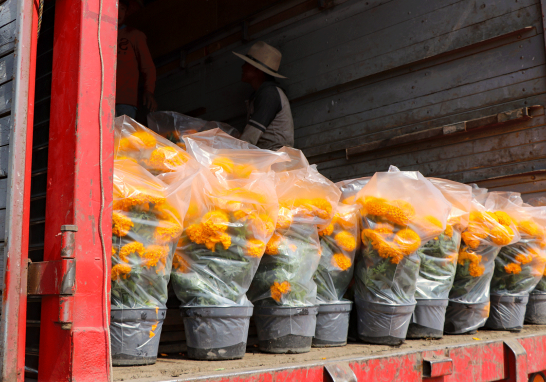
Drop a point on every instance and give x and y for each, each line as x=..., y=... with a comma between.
x=73, y=191
x=536, y=353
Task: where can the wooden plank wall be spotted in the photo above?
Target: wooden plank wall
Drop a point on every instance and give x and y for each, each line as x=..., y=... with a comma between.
x=369, y=70
x=8, y=12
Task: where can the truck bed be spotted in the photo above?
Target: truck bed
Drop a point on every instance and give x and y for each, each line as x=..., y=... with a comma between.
x=176, y=367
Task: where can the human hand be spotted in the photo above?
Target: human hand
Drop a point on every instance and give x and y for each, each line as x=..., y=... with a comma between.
x=149, y=101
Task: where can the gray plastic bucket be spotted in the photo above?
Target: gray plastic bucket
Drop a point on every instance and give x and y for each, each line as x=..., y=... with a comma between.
x=535, y=313
x=216, y=332
x=332, y=324
x=428, y=319
x=507, y=313
x=134, y=335
x=284, y=329
x=464, y=318
x=383, y=324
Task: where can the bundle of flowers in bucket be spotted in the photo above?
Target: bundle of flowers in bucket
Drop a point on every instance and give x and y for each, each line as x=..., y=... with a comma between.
x=146, y=224
x=536, y=307
x=439, y=263
x=152, y=151
x=518, y=268
x=174, y=126
x=401, y=211
x=230, y=219
x=333, y=276
x=489, y=229
x=283, y=290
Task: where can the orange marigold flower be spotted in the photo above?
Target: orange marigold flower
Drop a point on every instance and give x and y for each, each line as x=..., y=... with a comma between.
x=479, y=230
x=167, y=230
x=327, y=231
x=384, y=229
x=374, y=237
x=284, y=219
x=215, y=221
x=530, y=228
x=277, y=290
x=121, y=224
x=255, y=248
x=374, y=206
x=137, y=141
x=408, y=241
x=434, y=221
x=120, y=271
x=243, y=171
x=318, y=207
x=265, y=225
x=153, y=254
x=490, y=217
x=523, y=258
x=167, y=159
x=180, y=264
x=386, y=249
x=345, y=241
x=512, y=268
x=113, y=251
x=503, y=218
x=471, y=240
x=222, y=238
x=476, y=270
x=196, y=234
x=502, y=235
x=467, y=254
x=346, y=220
x=127, y=249
x=341, y=261
x=272, y=247
x=400, y=212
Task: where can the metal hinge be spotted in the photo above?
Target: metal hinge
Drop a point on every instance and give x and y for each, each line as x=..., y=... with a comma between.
x=57, y=277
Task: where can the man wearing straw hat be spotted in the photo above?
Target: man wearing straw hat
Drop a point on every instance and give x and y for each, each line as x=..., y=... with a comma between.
x=269, y=119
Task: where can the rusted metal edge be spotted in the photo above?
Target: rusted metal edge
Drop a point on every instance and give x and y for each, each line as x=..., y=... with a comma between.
x=489, y=121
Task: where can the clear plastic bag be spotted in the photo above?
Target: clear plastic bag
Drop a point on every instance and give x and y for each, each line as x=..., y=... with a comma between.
x=150, y=150
x=306, y=199
x=174, y=126
x=146, y=224
x=520, y=266
x=489, y=229
x=225, y=233
x=439, y=255
x=349, y=188
x=335, y=269
x=403, y=211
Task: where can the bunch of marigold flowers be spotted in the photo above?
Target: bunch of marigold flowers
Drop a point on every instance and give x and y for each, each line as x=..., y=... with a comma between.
x=146, y=225
x=152, y=151
x=338, y=241
x=520, y=266
x=292, y=255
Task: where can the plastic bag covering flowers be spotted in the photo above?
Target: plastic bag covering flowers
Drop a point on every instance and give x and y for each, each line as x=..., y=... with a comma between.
x=401, y=211
x=146, y=224
x=150, y=150
x=349, y=189
x=174, y=126
x=520, y=266
x=489, y=229
x=335, y=270
x=226, y=229
x=439, y=261
x=306, y=199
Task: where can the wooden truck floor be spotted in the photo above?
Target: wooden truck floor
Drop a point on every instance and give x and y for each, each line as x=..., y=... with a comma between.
x=176, y=367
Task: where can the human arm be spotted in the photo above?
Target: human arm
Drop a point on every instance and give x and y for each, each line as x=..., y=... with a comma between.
x=267, y=105
x=148, y=72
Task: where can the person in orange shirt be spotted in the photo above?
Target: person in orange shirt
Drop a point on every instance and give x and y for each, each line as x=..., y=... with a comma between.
x=134, y=61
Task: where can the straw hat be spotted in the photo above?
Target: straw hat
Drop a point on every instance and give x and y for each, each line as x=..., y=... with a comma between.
x=264, y=57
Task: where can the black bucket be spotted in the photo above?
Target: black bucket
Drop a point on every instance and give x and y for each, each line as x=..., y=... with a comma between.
x=428, y=319
x=507, y=313
x=285, y=329
x=216, y=332
x=332, y=324
x=464, y=318
x=134, y=335
x=536, y=309
x=383, y=324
